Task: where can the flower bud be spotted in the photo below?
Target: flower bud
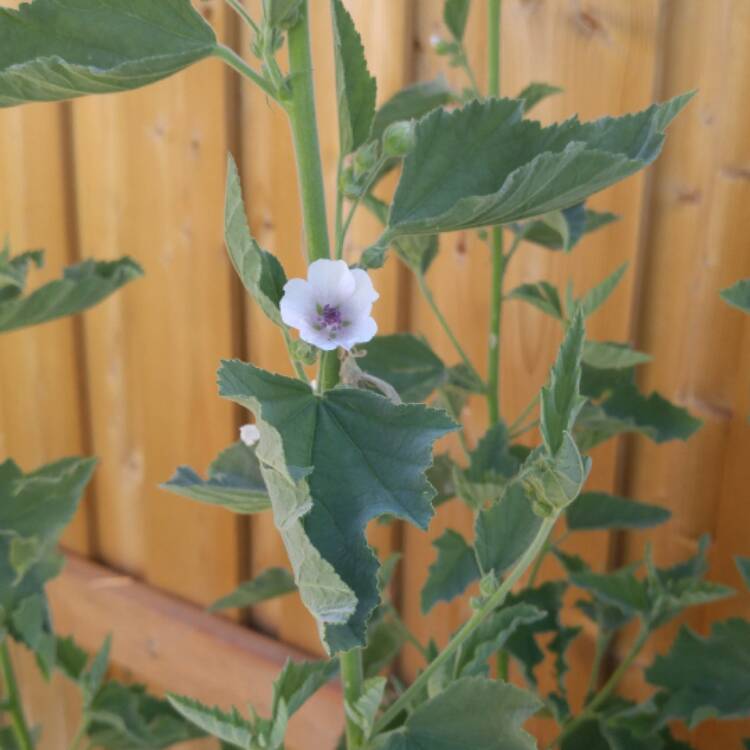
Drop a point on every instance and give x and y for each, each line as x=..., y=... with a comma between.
x=304, y=352
x=365, y=158
x=399, y=138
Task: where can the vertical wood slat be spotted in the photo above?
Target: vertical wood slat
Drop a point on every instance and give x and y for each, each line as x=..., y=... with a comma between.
x=273, y=207
x=150, y=175
x=695, y=246
x=605, y=58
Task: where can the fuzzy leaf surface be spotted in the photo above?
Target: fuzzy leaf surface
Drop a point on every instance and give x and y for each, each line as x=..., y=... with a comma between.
x=599, y=510
x=270, y=584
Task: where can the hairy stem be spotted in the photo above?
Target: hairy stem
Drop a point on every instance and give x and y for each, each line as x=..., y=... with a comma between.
x=351, y=678
x=496, y=242
x=492, y=603
x=231, y=58
x=609, y=687
x=14, y=705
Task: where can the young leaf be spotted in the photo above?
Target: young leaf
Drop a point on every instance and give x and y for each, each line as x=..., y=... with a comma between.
x=497, y=713
x=385, y=639
x=542, y=295
x=281, y=14
x=271, y=583
x=566, y=230
x=411, y=103
x=406, y=362
x=535, y=93
x=706, y=677
x=93, y=678
x=598, y=510
x=743, y=565
x=620, y=589
x=365, y=708
x=455, y=16
x=355, y=87
x=228, y=727
x=596, y=297
x=561, y=399
x=234, y=482
x=304, y=438
x=82, y=286
x=440, y=476
x=608, y=355
x=505, y=530
x=13, y=271
x=453, y=570
x=484, y=165
x=70, y=659
x=298, y=681
x=738, y=295
x=60, y=49
x=260, y=272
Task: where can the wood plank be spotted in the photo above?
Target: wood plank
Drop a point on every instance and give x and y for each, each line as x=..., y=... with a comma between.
x=273, y=207
x=150, y=183
x=176, y=646
x=604, y=55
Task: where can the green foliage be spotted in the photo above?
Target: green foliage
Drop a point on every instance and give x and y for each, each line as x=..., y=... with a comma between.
x=598, y=295
x=608, y=355
x=455, y=16
x=535, y=93
x=483, y=164
x=599, y=510
x=52, y=50
x=281, y=14
x=234, y=482
x=705, y=677
x=229, y=727
x=260, y=272
x=355, y=87
x=298, y=681
x=82, y=286
x=453, y=570
x=743, y=565
x=541, y=295
x=407, y=363
x=497, y=710
x=271, y=583
x=303, y=436
x=738, y=295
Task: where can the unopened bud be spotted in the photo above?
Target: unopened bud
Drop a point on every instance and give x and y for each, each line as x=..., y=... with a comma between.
x=365, y=158
x=399, y=138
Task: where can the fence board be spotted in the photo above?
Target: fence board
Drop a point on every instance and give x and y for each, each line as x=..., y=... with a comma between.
x=150, y=174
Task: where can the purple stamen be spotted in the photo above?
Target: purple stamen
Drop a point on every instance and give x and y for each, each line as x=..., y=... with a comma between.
x=330, y=317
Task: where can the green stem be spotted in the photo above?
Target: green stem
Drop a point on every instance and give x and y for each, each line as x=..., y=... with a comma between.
x=609, y=687
x=296, y=364
x=427, y=294
x=15, y=706
x=231, y=58
x=494, y=601
x=341, y=234
x=352, y=677
x=494, y=8
x=240, y=10
x=602, y=642
x=339, y=210
x=523, y=429
x=80, y=735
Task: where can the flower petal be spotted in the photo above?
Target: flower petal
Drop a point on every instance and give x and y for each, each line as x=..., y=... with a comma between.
x=298, y=303
x=359, y=332
x=360, y=301
x=318, y=338
x=331, y=282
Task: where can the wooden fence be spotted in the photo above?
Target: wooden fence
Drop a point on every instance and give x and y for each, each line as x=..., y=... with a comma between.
x=133, y=381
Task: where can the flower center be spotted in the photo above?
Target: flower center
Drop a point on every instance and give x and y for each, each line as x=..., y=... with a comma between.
x=330, y=320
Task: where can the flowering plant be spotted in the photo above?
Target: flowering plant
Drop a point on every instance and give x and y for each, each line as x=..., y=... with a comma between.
x=326, y=455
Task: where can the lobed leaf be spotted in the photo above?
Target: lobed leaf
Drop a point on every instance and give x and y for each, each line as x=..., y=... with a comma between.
x=298, y=681
x=541, y=295
x=536, y=92
x=228, y=727
x=599, y=510
x=453, y=570
x=563, y=230
x=59, y=49
x=270, y=584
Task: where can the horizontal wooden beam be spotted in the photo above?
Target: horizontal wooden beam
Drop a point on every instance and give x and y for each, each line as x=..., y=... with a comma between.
x=178, y=647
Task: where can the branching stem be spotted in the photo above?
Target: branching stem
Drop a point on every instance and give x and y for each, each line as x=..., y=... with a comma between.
x=231, y=58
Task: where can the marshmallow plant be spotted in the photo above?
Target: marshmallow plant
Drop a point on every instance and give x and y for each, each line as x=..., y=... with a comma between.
x=351, y=437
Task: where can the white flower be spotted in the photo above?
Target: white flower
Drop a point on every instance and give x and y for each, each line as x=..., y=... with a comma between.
x=249, y=435
x=332, y=308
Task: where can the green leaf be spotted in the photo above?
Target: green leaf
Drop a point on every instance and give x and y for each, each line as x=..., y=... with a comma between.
x=561, y=399
x=260, y=272
x=93, y=678
x=440, y=476
x=126, y=717
x=298, y=681
x=738, y=295
x=281, y=14
x=609, y=355
x=355, y=87
x=71, y=659
x=497, y=711
x=620, y=589
x=234, y=482
x=455, y=16
x=406, y=362
x=271, y=583
x=411, y=103
x=365, y=708
x=599, y=510
x=706, y=677
x=13, y=271
x=598, y=295
x=743, y=565
x=30, y=624
x=453, y=570
x=229, y=727
x=385, y=639
x=81, y=287
x=562, y=230
x=304, y=438
x=484, y=165
x=535, y=93
x=505, y=530
x=60, y=49
x=542, y=295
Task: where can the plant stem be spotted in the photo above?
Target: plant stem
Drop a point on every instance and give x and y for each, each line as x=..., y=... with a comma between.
x=496, y=245
x=427, y=294
x=602, y=642
x=14, y=704
x=81, y=733
x=352, y=677
x=492, y=603
x=231, y=58
x=341, y=234
x=606, y=691
x=339, y=210
x=296, y=364
x=241, y=11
